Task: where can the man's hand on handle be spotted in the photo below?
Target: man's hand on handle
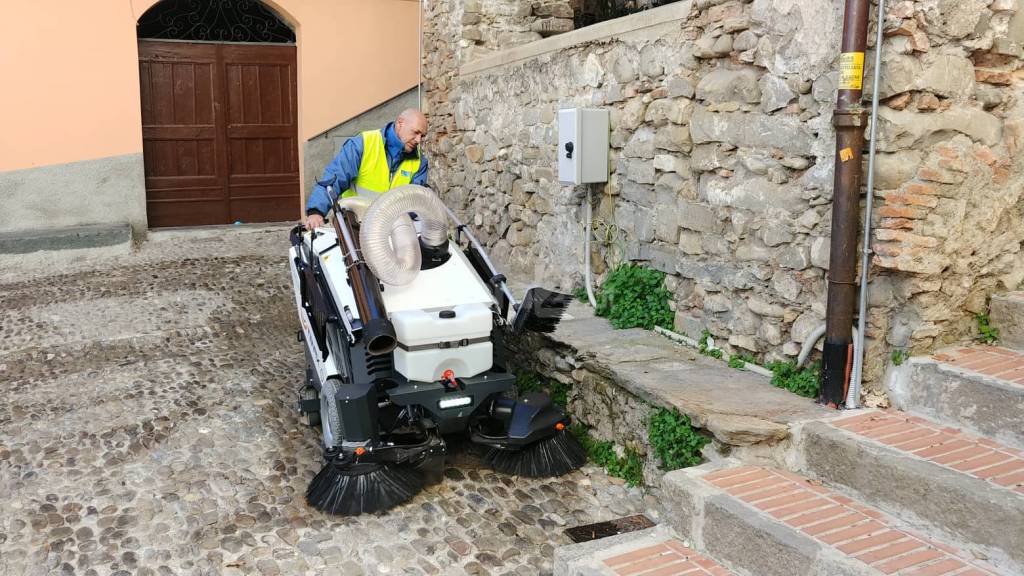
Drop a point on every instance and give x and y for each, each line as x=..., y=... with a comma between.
x=314, y=221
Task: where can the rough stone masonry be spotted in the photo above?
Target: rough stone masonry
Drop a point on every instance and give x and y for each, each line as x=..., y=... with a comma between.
x=722, y=157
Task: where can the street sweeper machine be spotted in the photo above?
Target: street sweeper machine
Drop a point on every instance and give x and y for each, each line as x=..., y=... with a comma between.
x=403, y=315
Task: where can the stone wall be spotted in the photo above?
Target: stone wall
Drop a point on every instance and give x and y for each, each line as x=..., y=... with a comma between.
x=596, y=398
x=491, y=25
x=722, y=161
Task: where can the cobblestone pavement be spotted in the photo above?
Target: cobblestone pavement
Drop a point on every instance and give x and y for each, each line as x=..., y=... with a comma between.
x=147, y=428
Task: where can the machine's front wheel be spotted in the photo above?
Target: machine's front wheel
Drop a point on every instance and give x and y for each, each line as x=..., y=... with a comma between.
x=308, y=394
x=330, y=420
x=309, y=418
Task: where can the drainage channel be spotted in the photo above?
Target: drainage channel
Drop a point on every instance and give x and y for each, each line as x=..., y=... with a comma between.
x=600, y=530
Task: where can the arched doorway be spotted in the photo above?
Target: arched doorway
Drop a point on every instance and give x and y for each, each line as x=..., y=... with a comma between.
x=219, y=113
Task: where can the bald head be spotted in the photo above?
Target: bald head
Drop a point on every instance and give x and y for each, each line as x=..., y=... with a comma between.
x=411, y=128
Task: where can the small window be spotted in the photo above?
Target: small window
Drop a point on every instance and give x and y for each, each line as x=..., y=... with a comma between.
x=213, y=21
x=587, y=12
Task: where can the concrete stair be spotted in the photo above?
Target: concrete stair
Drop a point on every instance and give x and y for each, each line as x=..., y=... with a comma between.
x=967, y=489
x=934, y=488
x=652, y=552
x=1007, y=312
x=978, y=388
x=770, y=522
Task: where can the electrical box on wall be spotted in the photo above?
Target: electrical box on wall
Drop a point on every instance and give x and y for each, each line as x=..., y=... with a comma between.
x=583, y=145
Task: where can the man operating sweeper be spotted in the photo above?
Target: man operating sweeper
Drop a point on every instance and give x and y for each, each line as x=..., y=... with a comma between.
x=373, y=163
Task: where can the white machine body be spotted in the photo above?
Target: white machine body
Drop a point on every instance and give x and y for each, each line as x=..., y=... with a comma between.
x=442, y=319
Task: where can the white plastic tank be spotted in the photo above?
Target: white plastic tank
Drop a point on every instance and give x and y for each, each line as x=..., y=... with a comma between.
x=433, y=341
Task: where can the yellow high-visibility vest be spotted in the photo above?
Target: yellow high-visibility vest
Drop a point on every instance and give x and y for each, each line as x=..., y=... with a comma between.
x=374, y=172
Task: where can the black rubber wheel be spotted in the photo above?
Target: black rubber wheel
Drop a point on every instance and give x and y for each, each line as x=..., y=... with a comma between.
x=330, y=420
x=308, y=392
x=309, y=418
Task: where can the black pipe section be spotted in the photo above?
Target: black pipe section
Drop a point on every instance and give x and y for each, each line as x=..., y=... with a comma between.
x=378, y=333
x=849, y=120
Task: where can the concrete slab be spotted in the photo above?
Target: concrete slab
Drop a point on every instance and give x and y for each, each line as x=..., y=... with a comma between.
x=1007, y=315
x=66, y=238
x=738, y=407
x=968, y=508
x=962, y=395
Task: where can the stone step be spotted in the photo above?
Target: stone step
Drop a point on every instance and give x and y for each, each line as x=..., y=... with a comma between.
x=977, y=388
x=1007, y=314
x=774, y=523
x=651, y=552
x=967, y=488
x=737, y=407
x=74, y=237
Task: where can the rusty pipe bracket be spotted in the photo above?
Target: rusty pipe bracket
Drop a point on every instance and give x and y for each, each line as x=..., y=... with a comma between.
x=850, y=118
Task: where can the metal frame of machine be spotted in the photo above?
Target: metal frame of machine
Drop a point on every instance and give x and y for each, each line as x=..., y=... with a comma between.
x=384, y=434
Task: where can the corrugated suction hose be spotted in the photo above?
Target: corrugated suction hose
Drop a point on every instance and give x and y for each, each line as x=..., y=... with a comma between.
x=388, y=236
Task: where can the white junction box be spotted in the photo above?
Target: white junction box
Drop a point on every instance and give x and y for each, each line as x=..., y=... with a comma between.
x=583, y=145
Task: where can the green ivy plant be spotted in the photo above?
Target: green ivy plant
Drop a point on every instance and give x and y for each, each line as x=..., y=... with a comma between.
x=675, y=441
x=987, y=333
x=633, y=296
x=528, y=382
x=739, y=361
x=629, y=467
x=899, y=356
x=704, y=345
x=803, y=381
x=532, y=382
x=559, y=393
x=580, y=294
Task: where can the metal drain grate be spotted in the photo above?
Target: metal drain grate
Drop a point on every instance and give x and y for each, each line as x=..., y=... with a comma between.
x=610, y=528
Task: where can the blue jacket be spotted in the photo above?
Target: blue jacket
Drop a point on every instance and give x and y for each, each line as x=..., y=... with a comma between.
x=345, y=167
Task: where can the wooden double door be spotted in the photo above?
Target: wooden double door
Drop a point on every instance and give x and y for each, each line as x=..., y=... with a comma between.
x=219, y=132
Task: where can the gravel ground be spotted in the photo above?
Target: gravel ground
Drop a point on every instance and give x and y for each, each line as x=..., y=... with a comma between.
x=148, y=428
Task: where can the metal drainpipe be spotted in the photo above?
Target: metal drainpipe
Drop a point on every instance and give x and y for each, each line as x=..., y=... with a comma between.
x=849, y=120
x=419, y=63
x=853, y=394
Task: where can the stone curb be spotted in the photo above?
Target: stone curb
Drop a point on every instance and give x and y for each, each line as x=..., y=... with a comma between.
x=77, y=237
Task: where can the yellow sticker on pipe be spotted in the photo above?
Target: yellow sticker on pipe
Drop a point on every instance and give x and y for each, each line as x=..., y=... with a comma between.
x=851, y=71
x=846, y=154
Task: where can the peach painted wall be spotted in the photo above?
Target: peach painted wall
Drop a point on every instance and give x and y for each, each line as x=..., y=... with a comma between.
x=71, y=82
x=70, y=70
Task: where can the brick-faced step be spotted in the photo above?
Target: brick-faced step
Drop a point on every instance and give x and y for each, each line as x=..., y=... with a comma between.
x=774, y=523
x=968, y=488
x=652, y=552
x=979, y=388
